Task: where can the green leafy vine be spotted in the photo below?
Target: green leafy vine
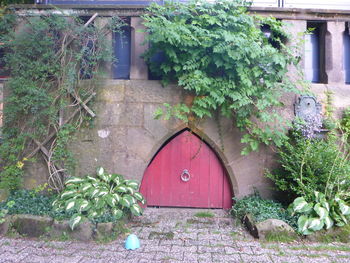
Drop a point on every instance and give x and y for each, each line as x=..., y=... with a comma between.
x=54, y=63
x=218, y=52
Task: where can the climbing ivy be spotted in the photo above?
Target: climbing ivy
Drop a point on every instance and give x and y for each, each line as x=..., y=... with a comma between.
x=54, y=64
x=218, y=52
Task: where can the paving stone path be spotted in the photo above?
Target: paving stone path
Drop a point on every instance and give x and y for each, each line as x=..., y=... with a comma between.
x=174, y=235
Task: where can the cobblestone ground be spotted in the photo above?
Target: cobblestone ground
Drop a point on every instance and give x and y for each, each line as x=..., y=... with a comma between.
x=175, y=235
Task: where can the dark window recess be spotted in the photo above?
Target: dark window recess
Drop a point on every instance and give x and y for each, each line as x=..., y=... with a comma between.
x=158, y=58
x=315, y=52
x=346, y=42
x=122, y=52
x=86, y=70
x=274, y=38
x=3, y=73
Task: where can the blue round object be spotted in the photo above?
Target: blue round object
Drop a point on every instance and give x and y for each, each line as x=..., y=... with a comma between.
x=132, y=242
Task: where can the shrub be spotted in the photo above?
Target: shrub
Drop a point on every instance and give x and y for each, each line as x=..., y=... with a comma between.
x=315, y=173
x=94, y=197
x=309, y=165
x=262, y=209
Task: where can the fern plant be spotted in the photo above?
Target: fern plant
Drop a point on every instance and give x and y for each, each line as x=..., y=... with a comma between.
x=92, y=197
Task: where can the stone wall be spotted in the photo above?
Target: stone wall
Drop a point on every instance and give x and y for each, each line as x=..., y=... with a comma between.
x=125, y=136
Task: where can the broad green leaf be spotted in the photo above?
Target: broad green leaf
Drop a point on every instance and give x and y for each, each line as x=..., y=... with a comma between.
x=133, y=184
x=315, y=224
x=70, y=204
x=116, y=180
x=130, y=198
x=322, y=212
x=116, y=197
x=345, y=209
x=121, y=189
x=143, y=201
x=318, y=196
x=136, y=210
x=130, y=190
x=100, y=171
x=100, y=203
x=302, y=223
x=92, y=214
x=138, y=196
x=102, y=193
x=66, y=194
x=125, y=202
x=325, y=204
x=75, y=220
x=344, y=219
x=85, y=187
x=55, y=203
x=94, y=193
x=328, y=222
x=74, y=180
x=117, y=213
x=300, y=205
x=93, y=179
x=84, y=205
x=340, y=224
x=110, y=200
x=105, y=177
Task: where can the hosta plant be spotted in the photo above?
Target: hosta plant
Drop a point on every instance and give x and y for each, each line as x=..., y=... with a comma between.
x=320, y=213
x=92, y=197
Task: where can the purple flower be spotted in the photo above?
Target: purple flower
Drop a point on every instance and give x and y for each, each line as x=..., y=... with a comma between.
x=310, y=126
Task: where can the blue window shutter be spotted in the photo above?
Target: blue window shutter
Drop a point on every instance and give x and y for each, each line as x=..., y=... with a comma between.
x=122, y=52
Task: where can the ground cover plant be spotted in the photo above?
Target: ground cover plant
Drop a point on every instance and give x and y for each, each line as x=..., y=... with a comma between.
x=262, y=209
x=218, y=53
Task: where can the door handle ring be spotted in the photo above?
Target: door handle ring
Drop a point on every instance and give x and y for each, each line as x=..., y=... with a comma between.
x=185, y=175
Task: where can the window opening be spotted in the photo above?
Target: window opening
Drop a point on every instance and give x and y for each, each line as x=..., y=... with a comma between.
x=314, y=52
x=158, y=58
x=122, y=52
x=3, y=73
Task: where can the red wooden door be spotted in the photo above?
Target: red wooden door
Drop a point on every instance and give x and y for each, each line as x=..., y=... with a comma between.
x=205, y=185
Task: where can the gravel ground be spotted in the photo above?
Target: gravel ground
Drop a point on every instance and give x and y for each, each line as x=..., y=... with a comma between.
x=174, y=235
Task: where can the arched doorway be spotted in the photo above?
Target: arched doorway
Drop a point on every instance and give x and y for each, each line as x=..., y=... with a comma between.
x=186, y=172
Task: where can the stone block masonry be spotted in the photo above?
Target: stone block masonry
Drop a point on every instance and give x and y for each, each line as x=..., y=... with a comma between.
x=125, y=136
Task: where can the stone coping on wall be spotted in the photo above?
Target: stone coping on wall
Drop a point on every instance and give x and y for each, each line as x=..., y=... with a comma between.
x=137, y=10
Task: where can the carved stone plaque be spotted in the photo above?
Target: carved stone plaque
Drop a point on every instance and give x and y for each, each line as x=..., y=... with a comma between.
x=307, y=106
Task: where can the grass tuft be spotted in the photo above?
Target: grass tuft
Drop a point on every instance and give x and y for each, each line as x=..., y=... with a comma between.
x=205, y=214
